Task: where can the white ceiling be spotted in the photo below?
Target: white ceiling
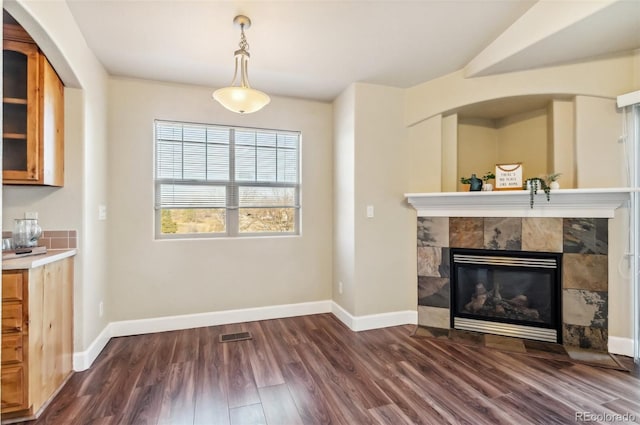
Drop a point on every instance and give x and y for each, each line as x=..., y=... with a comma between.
x=315, y=49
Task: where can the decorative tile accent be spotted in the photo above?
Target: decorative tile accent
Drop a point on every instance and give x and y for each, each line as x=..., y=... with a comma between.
x=585, y=308
x=503, y=233
x=433, y=291
x=54, y=239
x=585, y=271
x=433, y=316
x=59, y=239
x=433, y=231
x=429, y=260
x=466, y=232
x=585, y=337
x=542, y=234
x=586, y=236
x=585, y=266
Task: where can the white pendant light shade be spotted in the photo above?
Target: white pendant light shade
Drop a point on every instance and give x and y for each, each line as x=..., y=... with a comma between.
x=241, y=98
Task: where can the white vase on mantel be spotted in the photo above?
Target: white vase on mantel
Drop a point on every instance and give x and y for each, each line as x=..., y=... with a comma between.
x=487, y=187
x=554, y=185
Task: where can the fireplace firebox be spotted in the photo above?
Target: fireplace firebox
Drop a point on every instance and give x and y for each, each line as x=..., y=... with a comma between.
x=510, y=293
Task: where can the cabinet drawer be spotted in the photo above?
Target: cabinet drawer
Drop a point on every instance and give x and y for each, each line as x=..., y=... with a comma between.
x=13, y=388
x=11, y=317
x=11, y=348
x=12, y=286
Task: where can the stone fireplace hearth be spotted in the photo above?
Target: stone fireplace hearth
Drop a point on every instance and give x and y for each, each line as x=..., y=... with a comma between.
x=573, y=222
x=582, y=241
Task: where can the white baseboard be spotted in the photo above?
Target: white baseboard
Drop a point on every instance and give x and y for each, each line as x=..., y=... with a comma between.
x=374, y=321
x=622, y=346
x=188, y=321
x=83, y=360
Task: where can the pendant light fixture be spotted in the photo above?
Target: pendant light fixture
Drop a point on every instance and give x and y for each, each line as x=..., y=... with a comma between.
x=241, y=98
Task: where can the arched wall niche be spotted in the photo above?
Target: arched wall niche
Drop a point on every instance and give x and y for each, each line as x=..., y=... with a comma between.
x=547, y=133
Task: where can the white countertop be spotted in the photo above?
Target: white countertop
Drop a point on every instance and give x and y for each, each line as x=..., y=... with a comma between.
x=33, y=261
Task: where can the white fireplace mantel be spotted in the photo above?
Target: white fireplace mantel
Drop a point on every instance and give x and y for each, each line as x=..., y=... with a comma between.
x=572, y=203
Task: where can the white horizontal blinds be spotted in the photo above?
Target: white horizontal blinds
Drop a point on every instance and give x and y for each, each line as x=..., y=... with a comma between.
x=192, y=196
x=206, y=166
x=192, y=165
x=267, y=168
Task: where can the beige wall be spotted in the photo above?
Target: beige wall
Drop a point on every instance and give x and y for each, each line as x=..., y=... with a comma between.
x=344, y=231
x=74, y=206
x=477, y=149
x=450, y=175
x=374, y=257
x=384, y=244
x=600, y=155
x=523, y=138
x=426, y=156
x=150, y=278
x=562, y=147
x=452, y=91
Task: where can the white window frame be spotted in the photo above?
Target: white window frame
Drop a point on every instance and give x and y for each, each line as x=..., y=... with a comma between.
x=231, y=184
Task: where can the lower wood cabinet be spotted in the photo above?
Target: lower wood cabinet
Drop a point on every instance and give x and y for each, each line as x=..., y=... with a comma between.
x=37, y=336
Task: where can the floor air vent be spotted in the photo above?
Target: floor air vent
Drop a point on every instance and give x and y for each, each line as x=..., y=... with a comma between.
x=239, y=336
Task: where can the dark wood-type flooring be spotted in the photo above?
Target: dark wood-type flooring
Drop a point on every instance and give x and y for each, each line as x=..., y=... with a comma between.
x=314, y=370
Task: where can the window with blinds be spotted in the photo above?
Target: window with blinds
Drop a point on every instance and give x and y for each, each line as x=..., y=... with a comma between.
x=228, y=181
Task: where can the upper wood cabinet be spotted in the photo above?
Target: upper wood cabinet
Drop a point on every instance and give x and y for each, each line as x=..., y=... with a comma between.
x=33, y=113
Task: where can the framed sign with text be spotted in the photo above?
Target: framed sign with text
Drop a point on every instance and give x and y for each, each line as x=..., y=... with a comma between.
x=509, y=176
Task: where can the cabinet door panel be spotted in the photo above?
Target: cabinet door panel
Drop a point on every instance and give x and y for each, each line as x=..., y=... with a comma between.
x=21, y=151
x=13, y=388
x=12, y=348
x=12, y=286
x=11, y=318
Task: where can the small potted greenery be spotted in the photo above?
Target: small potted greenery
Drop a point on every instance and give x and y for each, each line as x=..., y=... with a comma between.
x=475, y=184
x=535, y=183
x=552, y=180
x=488, y=176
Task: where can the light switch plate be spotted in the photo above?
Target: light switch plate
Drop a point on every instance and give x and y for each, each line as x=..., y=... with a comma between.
x=102, y=212
x=369, y=211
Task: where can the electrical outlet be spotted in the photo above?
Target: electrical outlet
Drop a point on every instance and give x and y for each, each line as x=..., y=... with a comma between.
x=101, y=309
x=31, y=214
x=340, y=287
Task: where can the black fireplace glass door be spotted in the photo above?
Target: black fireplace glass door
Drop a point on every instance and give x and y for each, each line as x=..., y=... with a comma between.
x=509, y=294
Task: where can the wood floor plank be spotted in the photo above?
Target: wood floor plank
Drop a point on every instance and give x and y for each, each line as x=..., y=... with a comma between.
x=278, y=405
x=307, y=396
x=178, y=400
x=389, y=415
x=242, y=389
x=248, y=415
x=160, y=352
x=266, y=370
x=146, y=403
x=341, y=395
x=211, y=403
x=323, y=373
x=348, y=370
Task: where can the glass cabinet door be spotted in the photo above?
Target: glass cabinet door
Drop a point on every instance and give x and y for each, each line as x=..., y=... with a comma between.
x=20, y=152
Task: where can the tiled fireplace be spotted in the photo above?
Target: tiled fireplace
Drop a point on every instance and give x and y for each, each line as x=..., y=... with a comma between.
x=583, y=243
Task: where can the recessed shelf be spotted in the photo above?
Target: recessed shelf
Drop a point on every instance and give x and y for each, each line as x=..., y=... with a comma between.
x=18, y=136
x=14, y=100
